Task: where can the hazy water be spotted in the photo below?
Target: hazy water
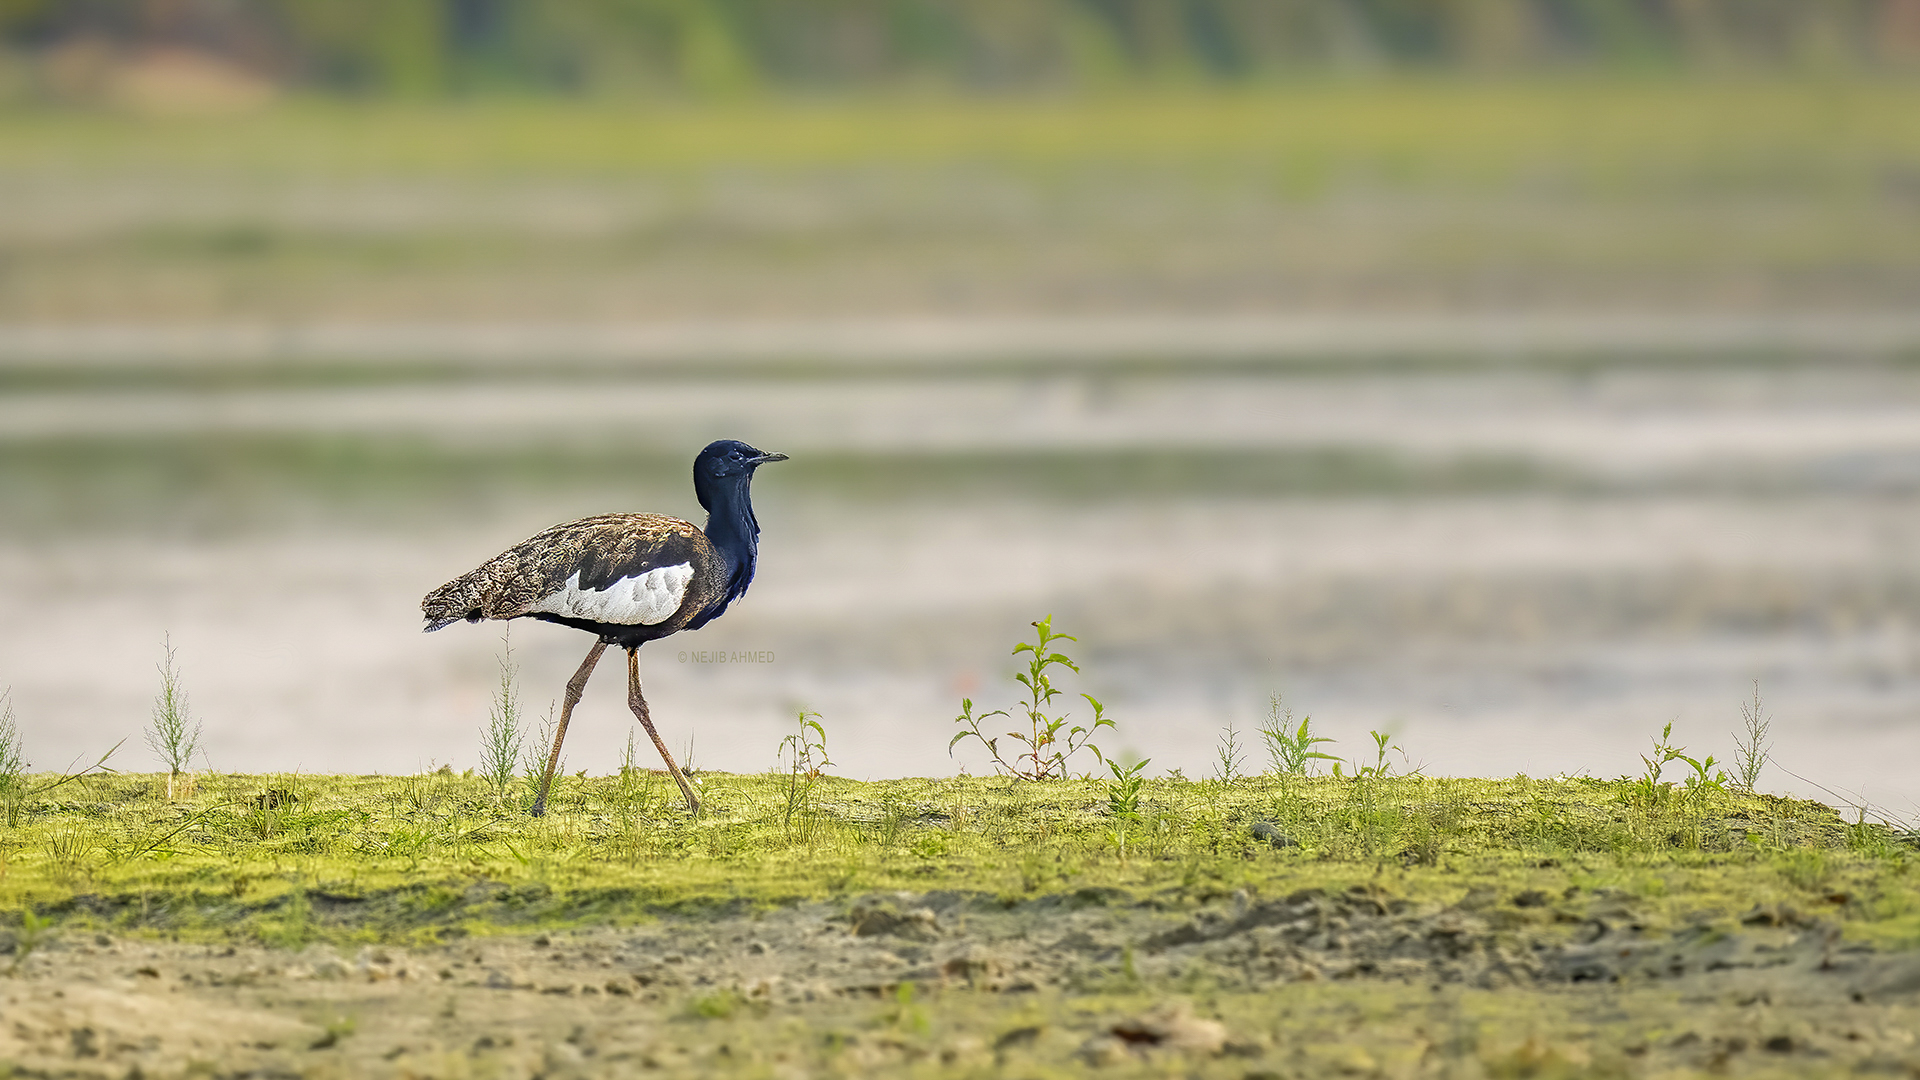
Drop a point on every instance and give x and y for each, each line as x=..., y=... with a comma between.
x=1512, y=568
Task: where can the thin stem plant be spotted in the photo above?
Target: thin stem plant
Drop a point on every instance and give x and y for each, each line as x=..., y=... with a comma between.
x=501, y=740
x=1751, y=750
x=13, y=763
x=533, y=758
x=173, y=735
x=1229, y=756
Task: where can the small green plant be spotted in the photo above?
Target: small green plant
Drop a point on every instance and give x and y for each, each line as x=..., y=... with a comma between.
x=631, y=795
x=1751, y=750
x=1123, y=800
x=501, y=740
x=1649, y=790
x=1372, y=821
x=1049, y=744
x=804, y=754
x=13, y=763
x=893, y=820
x=630, y=757
x=69, y=849
x=533, y=758
x=1379, y=770
x=1704, y=780
x=1229, y=757
x=173, y=735
x=1290, y=749
x=1652, y=794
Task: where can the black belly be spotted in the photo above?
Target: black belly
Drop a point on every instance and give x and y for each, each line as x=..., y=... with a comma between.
x=621, y=634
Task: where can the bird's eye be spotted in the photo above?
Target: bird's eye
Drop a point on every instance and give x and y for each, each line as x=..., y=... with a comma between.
x=735, y=455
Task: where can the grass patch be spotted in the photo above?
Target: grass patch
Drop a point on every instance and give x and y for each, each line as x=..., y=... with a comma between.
x=422, y=858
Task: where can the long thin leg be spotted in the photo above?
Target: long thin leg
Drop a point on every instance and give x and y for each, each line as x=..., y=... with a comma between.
x=639, y=706
x=575, y=686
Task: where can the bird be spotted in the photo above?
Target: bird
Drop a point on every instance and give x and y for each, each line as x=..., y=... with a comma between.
x=627, y=579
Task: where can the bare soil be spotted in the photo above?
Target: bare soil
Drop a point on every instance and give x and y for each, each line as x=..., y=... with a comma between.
x=1358, y=983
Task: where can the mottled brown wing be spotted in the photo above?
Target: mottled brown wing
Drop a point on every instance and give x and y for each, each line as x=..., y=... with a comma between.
x=602, y=550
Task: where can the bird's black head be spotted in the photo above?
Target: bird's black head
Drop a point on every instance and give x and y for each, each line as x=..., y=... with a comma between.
x=727, y=461
x=731, y=457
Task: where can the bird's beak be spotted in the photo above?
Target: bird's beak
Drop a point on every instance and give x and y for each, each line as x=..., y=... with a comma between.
x=764, y=458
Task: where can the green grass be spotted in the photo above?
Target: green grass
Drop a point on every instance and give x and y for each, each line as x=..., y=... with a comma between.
x=1768, y=132
x=286, y=859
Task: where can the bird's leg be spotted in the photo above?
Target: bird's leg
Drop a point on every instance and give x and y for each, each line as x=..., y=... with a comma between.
x=639, y=706
x=575, y=686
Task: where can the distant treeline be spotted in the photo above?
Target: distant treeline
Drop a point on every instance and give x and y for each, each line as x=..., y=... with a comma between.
x=704, y=46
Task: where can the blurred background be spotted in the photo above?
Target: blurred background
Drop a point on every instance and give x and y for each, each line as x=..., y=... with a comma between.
x=1516, y=376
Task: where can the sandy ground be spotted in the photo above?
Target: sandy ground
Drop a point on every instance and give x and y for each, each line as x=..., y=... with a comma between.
x=1353, y=984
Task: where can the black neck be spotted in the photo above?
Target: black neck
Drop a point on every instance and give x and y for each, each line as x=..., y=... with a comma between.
x=732, y=529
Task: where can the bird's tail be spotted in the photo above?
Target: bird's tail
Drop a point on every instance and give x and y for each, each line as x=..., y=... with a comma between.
x=450, y=603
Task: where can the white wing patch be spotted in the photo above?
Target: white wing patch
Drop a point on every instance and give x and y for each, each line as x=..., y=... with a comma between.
x=643, y=600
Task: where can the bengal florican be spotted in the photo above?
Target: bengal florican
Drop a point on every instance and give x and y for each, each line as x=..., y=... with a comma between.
x=625, y=578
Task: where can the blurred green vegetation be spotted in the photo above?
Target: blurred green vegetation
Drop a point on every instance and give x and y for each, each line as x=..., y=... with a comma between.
x=1409, y=192
x=210, y=484
x=644, y=159
x=1308, y=138
x=707, y=47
